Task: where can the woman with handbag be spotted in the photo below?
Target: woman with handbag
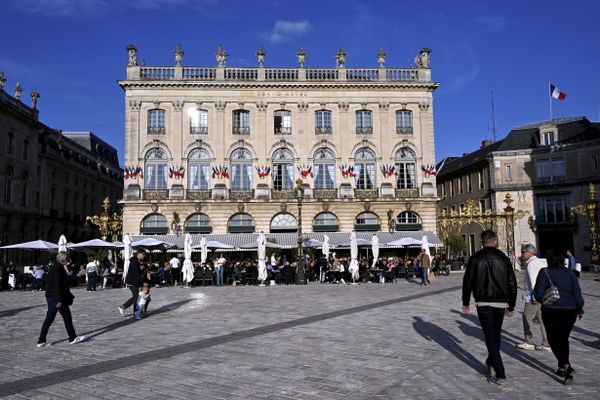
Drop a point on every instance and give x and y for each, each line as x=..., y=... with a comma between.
x=558, y=290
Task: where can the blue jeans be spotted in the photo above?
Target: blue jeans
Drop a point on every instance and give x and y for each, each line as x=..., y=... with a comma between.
x=65, y=313
x=220, y=276
x=92, y=281
x=424, y=276
x=491, y=319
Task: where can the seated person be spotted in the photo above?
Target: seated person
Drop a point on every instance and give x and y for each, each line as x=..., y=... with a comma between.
x=38, y=275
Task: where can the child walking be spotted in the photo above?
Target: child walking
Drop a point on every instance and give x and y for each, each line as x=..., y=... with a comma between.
x=142, y=301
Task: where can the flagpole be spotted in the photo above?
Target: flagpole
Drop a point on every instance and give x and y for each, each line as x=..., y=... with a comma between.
x=550, y=99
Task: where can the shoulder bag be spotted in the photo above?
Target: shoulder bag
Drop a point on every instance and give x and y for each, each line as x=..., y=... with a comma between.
x=551, y=294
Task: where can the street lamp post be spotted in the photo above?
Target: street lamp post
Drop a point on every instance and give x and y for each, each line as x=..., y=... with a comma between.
x=300, y=256
x=110, y=226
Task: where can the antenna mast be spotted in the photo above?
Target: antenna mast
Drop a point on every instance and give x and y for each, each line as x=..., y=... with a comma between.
x=493, y=116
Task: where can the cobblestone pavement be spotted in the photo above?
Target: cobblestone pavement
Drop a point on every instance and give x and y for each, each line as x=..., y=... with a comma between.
x=392, y=341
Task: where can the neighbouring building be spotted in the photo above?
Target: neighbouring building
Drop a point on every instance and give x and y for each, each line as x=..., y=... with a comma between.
x=219, y=149
x=49, y=180
x=546, y=167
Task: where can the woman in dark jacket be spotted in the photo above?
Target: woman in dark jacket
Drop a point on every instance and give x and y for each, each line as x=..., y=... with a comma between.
x=559, y=317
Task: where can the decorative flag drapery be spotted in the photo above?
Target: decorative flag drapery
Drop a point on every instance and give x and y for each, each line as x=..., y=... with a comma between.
x=176, y=172
x=220, y=171
x=347, y=171
x=428, y=169
x=263, y=171
x=388, y=170
x=133, y=172
x=557, y=94
x=305, y=171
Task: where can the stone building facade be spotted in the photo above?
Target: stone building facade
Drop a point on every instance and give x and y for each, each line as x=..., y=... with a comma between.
x=219, y=149
x=49, y=180
x=546, y=167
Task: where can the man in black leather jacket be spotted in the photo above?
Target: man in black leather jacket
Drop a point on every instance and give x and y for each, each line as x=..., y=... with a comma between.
x=134, y=280
x=491, y=279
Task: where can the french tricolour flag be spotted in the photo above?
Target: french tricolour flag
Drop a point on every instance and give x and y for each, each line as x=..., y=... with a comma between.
x=557, y=94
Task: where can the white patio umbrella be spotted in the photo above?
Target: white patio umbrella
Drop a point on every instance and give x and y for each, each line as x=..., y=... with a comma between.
x=261, y=245
x=95, y=244
x=127, y=254
x=359, y=243
x=375, y=249
x=325, y=247
x=35, y=245
x=312, y=243
x=203, y=249
x=425, y=245
x=353, y=267
x=152, y=243
x=254, y=245
x=188, y=267
x=407, y=241
x=62, y=243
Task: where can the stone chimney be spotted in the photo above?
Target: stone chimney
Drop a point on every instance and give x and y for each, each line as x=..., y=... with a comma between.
x=486, y=143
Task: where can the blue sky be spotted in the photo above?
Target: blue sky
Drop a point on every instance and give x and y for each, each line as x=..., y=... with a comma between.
x=72, y=52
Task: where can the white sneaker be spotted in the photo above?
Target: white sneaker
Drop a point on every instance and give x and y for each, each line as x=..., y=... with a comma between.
x=121, y=311
x=525, y=346
x=45, y=344
x=77, y=340
x=541, y=347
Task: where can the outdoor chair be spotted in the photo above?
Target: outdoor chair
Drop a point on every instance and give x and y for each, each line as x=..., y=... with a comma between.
x=285, y=276
x=391, y=275
x=251, y=276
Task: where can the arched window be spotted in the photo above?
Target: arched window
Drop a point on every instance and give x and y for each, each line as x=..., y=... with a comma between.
x=405, y=160
x=284, y=222
x=282, y=122
x=408, y=221
x=241, y=170
x=240, y=223
x=283, y=169
x=154, y=224
x=324, y=162
x=199, y=170
x=323, y=122
x=367, y=221
x=198, y=223
x=156, y=121
x=365, y=168
x=404, y=122
x=325, y=222
x=156, y=169
x=364, y=121
x=198, y=121
x=241, y=122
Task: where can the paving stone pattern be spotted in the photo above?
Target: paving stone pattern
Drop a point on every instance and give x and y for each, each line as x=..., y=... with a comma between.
x=320, y=341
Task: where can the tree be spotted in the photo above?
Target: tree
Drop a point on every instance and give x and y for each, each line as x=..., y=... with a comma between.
x=455, y=244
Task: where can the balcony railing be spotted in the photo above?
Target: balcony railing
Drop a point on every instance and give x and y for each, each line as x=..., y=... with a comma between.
x=281, y=130
x=404, y=130
x=283, y=194
x=199, y=194
x=241, y=194
x=157, y=73
x=200, y=73
x=281, y=74
x=367, y=130
x=156, y=130
x=406, y=193
x=325, y=193
x=322, y=74
x=241, y=74
x=238, y=130
x=360, y=74
x=150, y=194
x=199, y=130
x=323, y=130
x=366, y=193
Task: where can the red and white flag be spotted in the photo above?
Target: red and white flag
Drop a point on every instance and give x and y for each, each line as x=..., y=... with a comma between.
x=557, y=94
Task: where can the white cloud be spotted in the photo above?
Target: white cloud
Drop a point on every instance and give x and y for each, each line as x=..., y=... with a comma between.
x=287, y=30
x=61, y=8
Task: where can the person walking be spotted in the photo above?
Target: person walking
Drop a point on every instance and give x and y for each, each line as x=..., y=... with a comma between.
x=91, y=270
x=560, y=316
x=532, y=309
x=425, y=264
x=219, y=269
x=134, y=280
x=174, y=262
x=490, y=278
x=59, y=298
x=572, y=263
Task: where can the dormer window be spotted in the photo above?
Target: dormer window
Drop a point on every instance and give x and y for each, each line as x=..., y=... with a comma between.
x=548, y=138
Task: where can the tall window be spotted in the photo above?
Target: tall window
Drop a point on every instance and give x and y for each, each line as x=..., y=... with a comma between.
x=8, y=181
x=547, y=138
x=25, y=149
x=469, y=185
x=198, y=223
x=451, y=183
x=156, y=121
x=10, y=143
x=241, y=170
x=550, y=169
x=404, y=122
x=480, y=180
x=366, y=221
x=323, y=121
x=553, y=209
x=24, y=178
x=198, y=121
x=282, y=122
x=324, y=169
x=406, y=161
x=283, y=170
x=325, y=219
x=365, y=168
x=241, y=122
x=460, y=185
x=240, y=222
x=364, y=121
x=284, y=222
x=199, y=170
x=156, y=169
x=508, y=172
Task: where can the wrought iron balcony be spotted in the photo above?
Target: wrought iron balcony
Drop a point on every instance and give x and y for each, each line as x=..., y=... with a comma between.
x=150, y=194
x=199, y=194
x=323, y=130
x=238, y=130
x=199, y=130
x=283, y=194
x=404, y=193
x=281, y=130
x=367, y=130
x=241, y=194
x=325, y=193
x=156, y=130
x=366, y=193
x=404, y=130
